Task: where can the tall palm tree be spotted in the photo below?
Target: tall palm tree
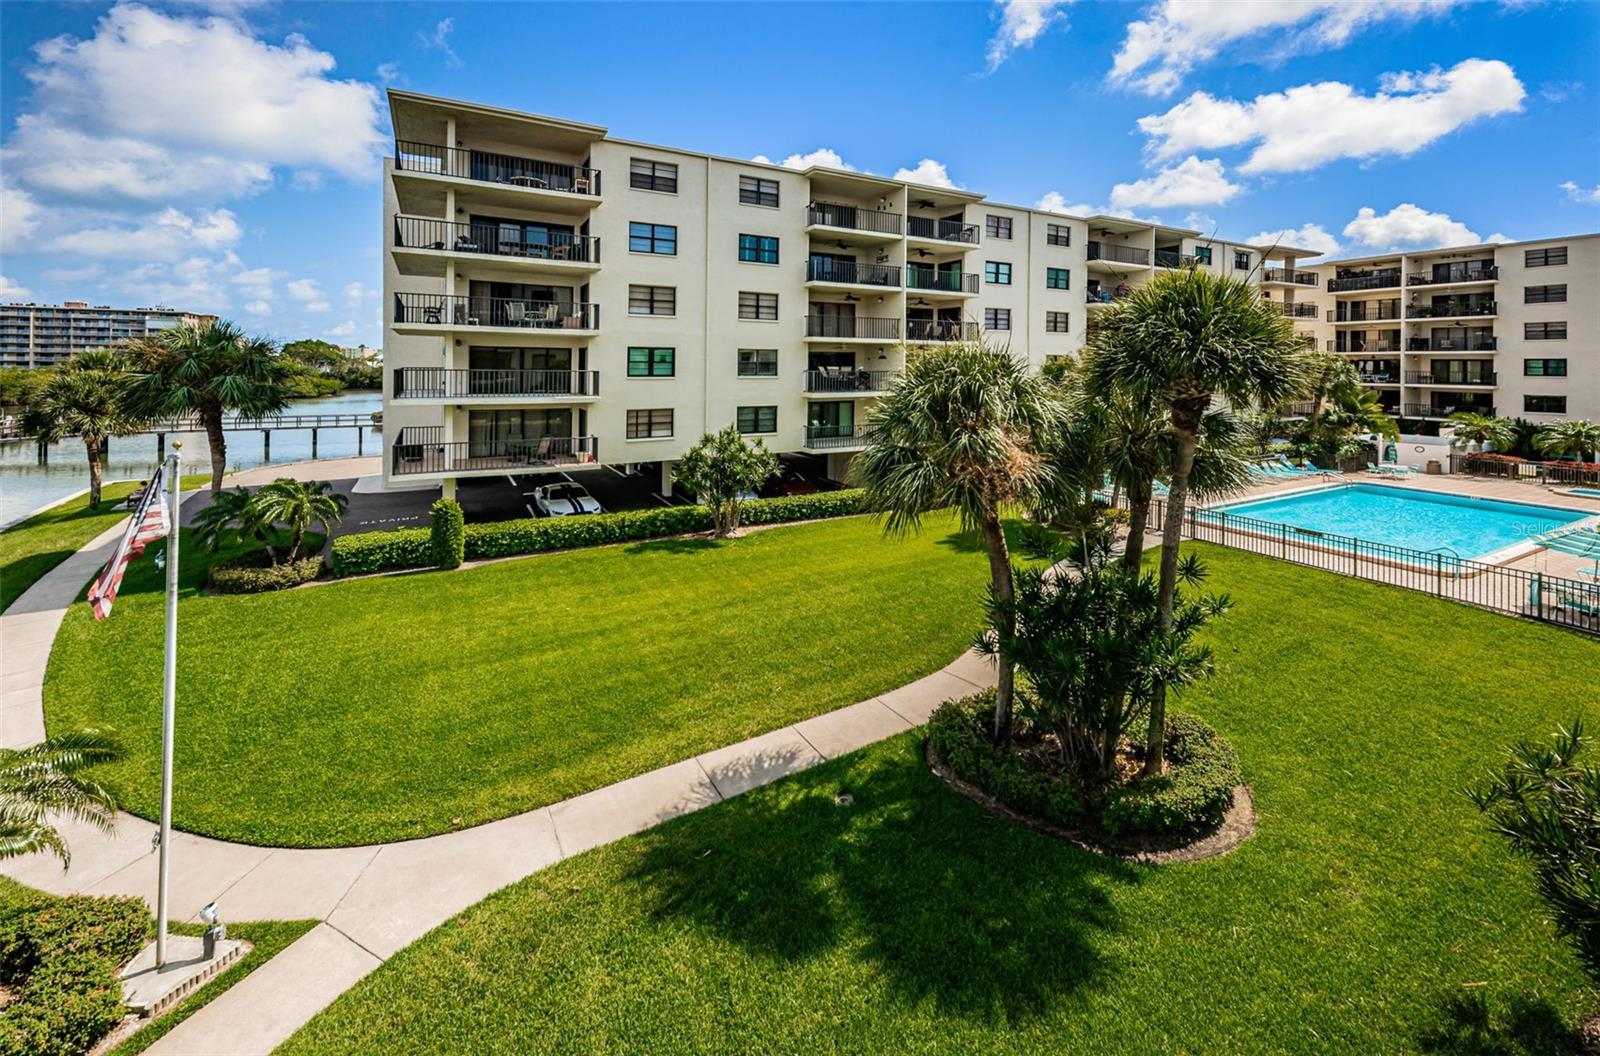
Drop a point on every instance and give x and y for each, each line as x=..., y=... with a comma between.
x=1183, y=339
x=207, y=371
x=86, y=398
x=1333, y=379
x=1479, y=429
x=964, y=426
x=298, y=506
x=1571, y=436
x=49, y=779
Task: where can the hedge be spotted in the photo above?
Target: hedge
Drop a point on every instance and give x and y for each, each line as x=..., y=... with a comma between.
x=413, y=548
x=960, y=733
x=251, y=574
x=1194, y=793
x=447, y=535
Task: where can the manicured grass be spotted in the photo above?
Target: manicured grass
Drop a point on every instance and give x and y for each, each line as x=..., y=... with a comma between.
x=386, y=708
x=1371, y=912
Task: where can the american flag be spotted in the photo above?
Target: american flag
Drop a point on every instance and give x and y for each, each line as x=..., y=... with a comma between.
x=148, y=523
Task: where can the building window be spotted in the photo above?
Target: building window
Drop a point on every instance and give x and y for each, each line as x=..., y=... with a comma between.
x=758, y=362
x=997, y=272
x=1057, y=235
x=1544, y=331
x=647, y=175
x=653, y=238
x=1545, y=404
x=998, y=226
x=652, y=300
x=1241, y=261
x=997, y=318
x=1202, y=255
x=758, y=419
x=1544, y=368
x=651, y=362
x=1544, y=294
x=762, y=306
x=758, y=249
x=753, y=190
x=1541, y=258
x=654, y=424
x=1057, y=279
x=1055, y=322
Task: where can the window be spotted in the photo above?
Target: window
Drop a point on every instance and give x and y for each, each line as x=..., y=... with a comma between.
x=1057, y=235
x=1544, y=294
x=758, y=362
x=997, y=318
x=647, y=175
x=651, y=362
x=1544, y=331
x=1545, y=404
x=997, y=272
x=762, y=306
x=758, y=249
x=653, y=238
x=650, y=425
x=652, y=300
x=1241, y=261
x=998, y=226
x=1541, y=258
x=753, y=190
x=1057, y=279
x=1055, y=322
x=1202, y=255
x=1544, y=368
x=758, y=419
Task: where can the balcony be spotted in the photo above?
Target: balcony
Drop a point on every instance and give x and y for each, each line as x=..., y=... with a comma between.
x=1112, y=253
x=1289, y=277
x=1423, y=377
x=422, y=451
x=551, y=181
x=1451, y=344
x=1298, y=409
x=923, y=278
x=1445, y=410
x=1455, y=276
x=852, y=328
x=1101, y=295
x=1358, y=348
x=830, y=272
x=1380, y=280
x=560, y=251
x=927, y=330
x=925, y=227
x=1379, y=377
x=441, y=384
x=1453, y=310
x=439, y=311
x=853, y=218
x=1171, y=258
x=846, y=381
x=836, y=438
x=1297, y=311
x=1386, y=312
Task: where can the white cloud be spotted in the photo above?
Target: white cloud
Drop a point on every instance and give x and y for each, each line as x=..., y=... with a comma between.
x=168, y=235
x=928, y=172
x=348, y=328
x=388, y=72
x=1312, y=124
x=19, y=217
x=440, y=39
x=822, y=156
x=1306, y=236
x=258, y=308
x=308, y=293
x=1408, y=225
x=1021, y=23
x=1055, y=202
x=356, y=292
x=1190, y=182
x=1575, y=193
x=10, y=291
x=1175, y=36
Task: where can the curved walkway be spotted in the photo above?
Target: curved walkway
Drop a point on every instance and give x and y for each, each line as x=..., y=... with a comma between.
x=377, y=899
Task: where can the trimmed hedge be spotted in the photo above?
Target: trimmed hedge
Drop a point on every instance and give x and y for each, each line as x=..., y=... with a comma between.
x=447, y=533
x=960, y=732
x=1194, y=793
x=251, y=573
x=412, y=547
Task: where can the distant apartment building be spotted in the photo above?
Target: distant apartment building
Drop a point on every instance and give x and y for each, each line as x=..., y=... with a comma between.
x=557, y=297
x=44, y=335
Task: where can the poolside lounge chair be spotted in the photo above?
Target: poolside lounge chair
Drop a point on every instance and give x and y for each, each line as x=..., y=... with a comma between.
x=1579, y=542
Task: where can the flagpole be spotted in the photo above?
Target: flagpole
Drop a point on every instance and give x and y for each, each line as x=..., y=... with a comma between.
x=169, y=696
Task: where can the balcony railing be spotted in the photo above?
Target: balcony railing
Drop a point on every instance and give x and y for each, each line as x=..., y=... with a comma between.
x=848, y=380
x=826, y=269
x=1479, y=274
x=410, y=156
x=1381, y=280
x=940, y=330
x=1101, y=295
x=942, y=230
x=877, y=328
x=1120, y=254
x=1445, y=410
x=446, y=383
x=1171, y=258
x=823, y=437
x=1297, y=278
x=440, y=309
x=1358, y=347
x=1380, y=377
x=1454, y=310
x=424, y=451
x=421, y=232
x=1297, y=311
x=919, y=278
x=1451, y=344
x=1298, y=409
x=1424, y=377
x=854, y=217
x=1386, y=312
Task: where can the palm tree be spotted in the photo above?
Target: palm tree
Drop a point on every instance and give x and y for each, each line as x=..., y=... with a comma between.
x=1333, y=378
x=1182, y=339
x=234, y=511
x=964, y=426
x=1571, y=436
x=86, y=398
x=298, y=506
x=206, y=371
x=48, y=779
x=1359, y=411
x=1472, y=429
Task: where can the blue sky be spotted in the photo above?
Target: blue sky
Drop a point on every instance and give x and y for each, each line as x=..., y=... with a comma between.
x=224, y=157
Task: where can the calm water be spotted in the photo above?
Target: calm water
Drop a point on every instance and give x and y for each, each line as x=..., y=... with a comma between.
x=25, y=485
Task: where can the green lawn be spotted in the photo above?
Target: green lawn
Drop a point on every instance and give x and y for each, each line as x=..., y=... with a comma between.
x=1372, y=911
x=387, y=708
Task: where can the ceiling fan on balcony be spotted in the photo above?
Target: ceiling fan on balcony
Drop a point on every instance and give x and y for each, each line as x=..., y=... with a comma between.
x=925, y=203
x=852, y=298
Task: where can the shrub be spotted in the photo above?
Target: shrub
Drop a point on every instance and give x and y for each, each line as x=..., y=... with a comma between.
x=364, y=552
x=447, y=533
x=113, y=928
x=252, y=573
x=960, y=732
x=1193, y=794
x=721, y=468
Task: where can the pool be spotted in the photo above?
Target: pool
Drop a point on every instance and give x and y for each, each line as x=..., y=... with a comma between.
x=1419, y=520
x=1588, y=493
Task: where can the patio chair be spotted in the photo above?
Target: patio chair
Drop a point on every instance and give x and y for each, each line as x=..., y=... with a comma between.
x=516, y=312
x=580, y=184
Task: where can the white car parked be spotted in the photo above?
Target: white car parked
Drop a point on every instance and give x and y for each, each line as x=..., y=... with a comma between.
x=564, y=500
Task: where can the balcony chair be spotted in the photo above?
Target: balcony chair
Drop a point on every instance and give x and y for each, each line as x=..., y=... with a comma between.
x=580, y=184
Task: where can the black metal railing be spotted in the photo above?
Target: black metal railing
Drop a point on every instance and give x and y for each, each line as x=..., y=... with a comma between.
x=1463, y=274
x=1383, y=311
x=848, y=379
x=1380, y=280
x=874, y=327
x=1451, y=344
x=943, y=230
x=940, y=330
x=1172, y=258
x=824, y=437
x=424, y=451
x=1455, y=309
x=487, y=167
x=1428, y=377
x=923, y=278
x=1297, y=311
x=1379, y=377
x=448, y=383
x=1120, y=254
x=1376, y=344
x=1521, y=469
x=1101, y=295
x=421, y=232
x=826, y=269
x=441, y=309
x=1289, y=275
x=854, y=217
x=1445, y=410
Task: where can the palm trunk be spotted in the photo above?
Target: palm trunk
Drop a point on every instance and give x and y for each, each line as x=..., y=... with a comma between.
x=1186, y=437
x=1138, y=518
x=994, y=538
x=294, y=543
x=218, y=444
x=91, y=448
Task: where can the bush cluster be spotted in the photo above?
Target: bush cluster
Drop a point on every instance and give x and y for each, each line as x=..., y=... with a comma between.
x=1193, y=794
x=251, y=573
x=961, y=733
x=413, y=547
x=60, y=959
x=447, y=533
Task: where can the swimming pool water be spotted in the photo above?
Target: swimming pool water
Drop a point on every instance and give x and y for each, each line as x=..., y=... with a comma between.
x=1403, y=517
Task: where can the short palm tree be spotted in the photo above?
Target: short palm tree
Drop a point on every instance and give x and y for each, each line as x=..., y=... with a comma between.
x=1572, y=436
x=1358, y=411
x=49, y=780
x=207, y=371
x=1182, y=340
x=1478, y=429
x=86, y=398
x=234, y=513
x=964, y=426
x=298, y=506
x=1333, y=379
